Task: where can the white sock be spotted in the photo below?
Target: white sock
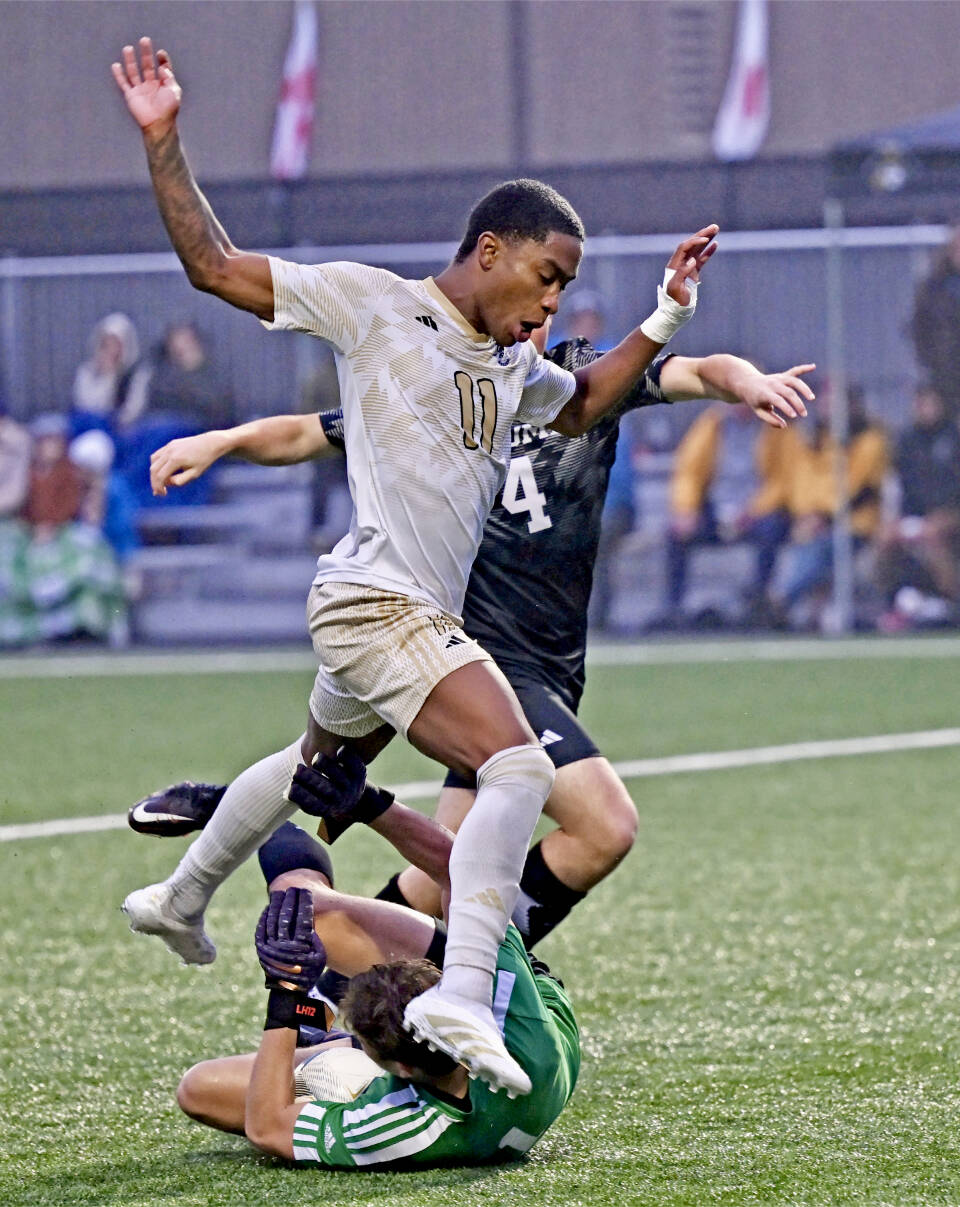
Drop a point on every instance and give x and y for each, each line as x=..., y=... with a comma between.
x=252, y=808
x=486, y=863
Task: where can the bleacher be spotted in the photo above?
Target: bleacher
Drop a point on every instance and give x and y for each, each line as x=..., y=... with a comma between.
x=238, y=569
x=233, y=570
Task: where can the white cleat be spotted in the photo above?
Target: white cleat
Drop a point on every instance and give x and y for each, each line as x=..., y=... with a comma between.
x=456, y=1025
x=150, y=913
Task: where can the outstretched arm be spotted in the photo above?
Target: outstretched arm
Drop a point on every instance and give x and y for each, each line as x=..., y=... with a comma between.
x=601, y=384
x=773, y=397
x=419, y=839
x=213, y=264
x=276, y=440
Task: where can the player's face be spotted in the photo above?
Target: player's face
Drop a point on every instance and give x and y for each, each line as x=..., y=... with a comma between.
x=523, y=282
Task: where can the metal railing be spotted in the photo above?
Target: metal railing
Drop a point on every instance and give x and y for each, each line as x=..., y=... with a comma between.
x=766, y=297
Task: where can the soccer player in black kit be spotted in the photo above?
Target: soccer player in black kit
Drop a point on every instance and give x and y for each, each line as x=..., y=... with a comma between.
x=526, y=603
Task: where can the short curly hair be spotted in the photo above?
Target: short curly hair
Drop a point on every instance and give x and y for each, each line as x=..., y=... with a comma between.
x=520, y=209
x=373, y=1009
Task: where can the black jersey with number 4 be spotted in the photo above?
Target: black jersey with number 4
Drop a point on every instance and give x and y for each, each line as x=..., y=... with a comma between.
x=527, y=596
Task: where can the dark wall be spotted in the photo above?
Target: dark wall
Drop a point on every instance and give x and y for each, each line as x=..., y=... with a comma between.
x=634, y=199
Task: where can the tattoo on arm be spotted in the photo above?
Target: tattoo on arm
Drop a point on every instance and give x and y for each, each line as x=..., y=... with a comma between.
x=196, y=235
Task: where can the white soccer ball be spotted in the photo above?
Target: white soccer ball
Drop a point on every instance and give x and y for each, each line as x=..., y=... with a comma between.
x=335, y=1075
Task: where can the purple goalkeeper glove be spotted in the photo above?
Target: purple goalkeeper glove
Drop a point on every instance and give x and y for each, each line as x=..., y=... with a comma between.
x=292, y=956
x=334, y=789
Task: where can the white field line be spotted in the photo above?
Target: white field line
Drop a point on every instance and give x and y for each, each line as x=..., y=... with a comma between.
x=633, y=769
x=232, y=662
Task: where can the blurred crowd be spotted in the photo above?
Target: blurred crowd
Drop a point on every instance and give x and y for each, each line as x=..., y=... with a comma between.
x=778, y=493
x=72, y=482
x=74, y=486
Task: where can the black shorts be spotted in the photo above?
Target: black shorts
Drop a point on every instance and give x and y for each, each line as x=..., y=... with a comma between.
x=560, y=733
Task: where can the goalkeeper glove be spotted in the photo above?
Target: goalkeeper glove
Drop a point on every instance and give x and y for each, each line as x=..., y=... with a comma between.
x=335, y=790
x=292, y=956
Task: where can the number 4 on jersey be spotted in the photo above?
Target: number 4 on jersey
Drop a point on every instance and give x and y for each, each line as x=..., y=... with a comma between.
x=520, y=494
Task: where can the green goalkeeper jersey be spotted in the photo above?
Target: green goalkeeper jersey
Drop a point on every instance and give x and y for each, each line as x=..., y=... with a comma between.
x=395, y=1120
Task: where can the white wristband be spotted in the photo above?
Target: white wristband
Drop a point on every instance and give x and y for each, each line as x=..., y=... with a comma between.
x=669, y=315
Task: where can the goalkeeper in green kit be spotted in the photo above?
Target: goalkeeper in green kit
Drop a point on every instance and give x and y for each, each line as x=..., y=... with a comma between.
x=421, y=1107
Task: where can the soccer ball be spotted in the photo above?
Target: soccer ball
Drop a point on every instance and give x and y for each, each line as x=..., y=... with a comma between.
x=335, y=1075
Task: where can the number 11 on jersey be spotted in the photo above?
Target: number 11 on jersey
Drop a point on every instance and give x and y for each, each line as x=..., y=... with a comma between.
x=520, y=494
x=468, y=410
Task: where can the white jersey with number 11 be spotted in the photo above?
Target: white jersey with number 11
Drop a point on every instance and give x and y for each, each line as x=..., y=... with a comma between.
x=428, y=406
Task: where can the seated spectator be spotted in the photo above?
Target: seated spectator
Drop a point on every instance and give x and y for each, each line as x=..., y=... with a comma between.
x=730, y=483
x=55, y=487
x=107, y=503
x=935, y=325
x=59, y=577
x=14, y=464
x=919, y=548
x=814, y=503
x=186, y=394
x=185, y=384
x=109, y=388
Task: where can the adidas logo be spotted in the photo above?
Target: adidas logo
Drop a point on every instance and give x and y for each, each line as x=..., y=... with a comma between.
x=454, y=640
x=428, y=321
x=548, y=737
x=489, y=897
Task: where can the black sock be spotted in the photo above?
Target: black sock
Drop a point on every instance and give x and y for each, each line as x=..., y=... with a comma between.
x=392, y=891
x=544, y=900
x=289, y=847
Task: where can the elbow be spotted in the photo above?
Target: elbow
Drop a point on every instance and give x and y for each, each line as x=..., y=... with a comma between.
x=202, y=277
x=209, y=271
x=570, y=422
x=263, y=1137
x=256, y=1134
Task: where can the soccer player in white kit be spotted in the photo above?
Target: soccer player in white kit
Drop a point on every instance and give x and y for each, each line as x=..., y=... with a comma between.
x=433, y=374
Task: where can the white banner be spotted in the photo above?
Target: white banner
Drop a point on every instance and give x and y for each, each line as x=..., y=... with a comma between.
x=744, y=113
x=293, y=129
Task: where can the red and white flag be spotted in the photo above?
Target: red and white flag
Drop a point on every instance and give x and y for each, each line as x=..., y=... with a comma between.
x=293, y=129
x=744, y=113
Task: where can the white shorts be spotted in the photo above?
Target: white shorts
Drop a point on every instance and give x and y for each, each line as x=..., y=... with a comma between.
x=381, y=655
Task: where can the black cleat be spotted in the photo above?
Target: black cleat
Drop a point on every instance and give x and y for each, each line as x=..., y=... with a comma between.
x=179, y=809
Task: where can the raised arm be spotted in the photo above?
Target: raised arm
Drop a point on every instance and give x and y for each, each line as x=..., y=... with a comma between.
x=292, y=957
x=601, y=384
x=773, y=397
x=212, y=263
x=275, y=440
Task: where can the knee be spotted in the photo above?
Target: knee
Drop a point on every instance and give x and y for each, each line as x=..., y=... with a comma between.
x=604, y=829
x=621, y=830
x=526, y=764
x=315, y=881
x=191, y=1097
x=614, y=831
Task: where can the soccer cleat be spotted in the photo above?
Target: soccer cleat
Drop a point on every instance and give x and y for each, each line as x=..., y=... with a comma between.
x=150, y=913
x=455, y=1025
x=179, y=809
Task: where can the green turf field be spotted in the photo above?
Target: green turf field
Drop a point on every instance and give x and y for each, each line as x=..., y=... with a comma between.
x=769, y=987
